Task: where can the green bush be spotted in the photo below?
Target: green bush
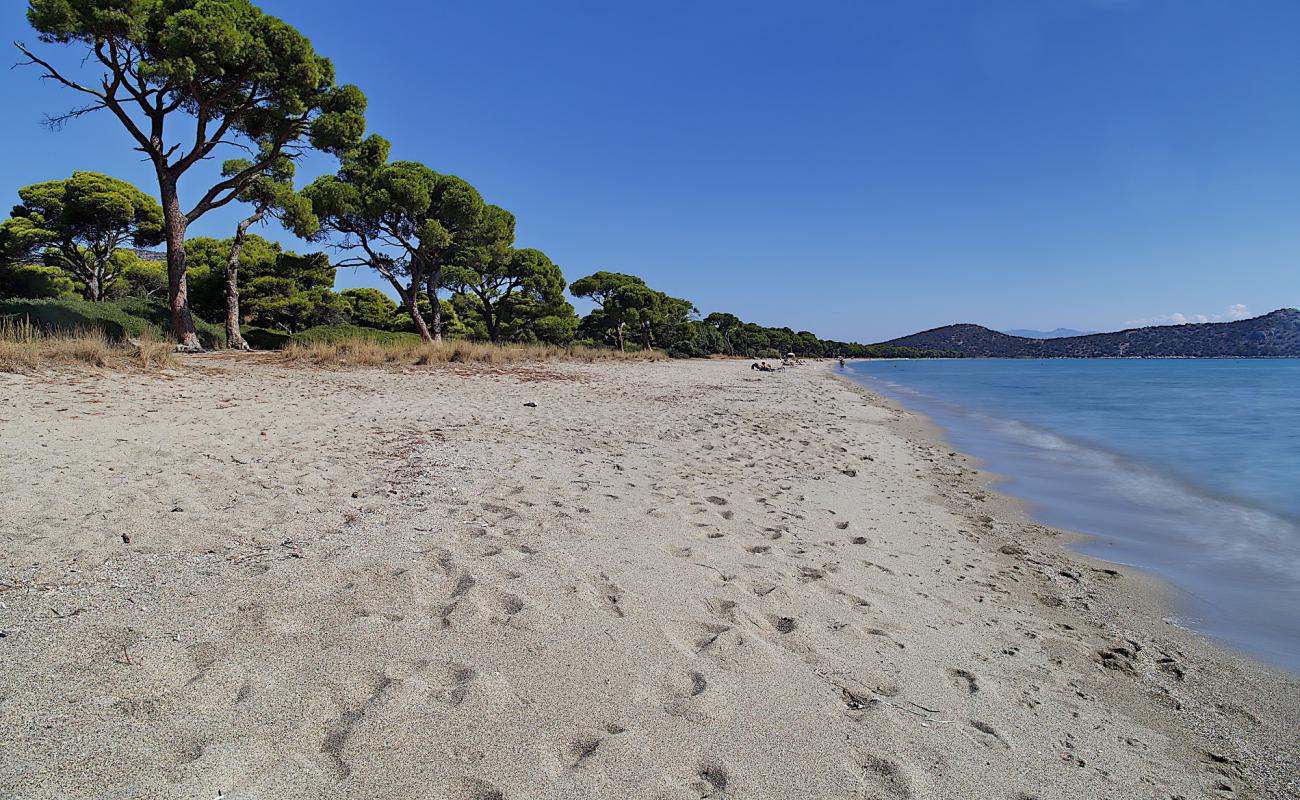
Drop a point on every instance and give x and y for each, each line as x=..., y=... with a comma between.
x=118, y=319
x=265, y=339
x=328, y=334
x=32, y=282
x=685, y=349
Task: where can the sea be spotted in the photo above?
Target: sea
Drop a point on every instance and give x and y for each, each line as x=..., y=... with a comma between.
x=1186, y=468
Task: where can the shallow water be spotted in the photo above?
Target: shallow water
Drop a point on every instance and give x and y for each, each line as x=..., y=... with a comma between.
x=1187, y=468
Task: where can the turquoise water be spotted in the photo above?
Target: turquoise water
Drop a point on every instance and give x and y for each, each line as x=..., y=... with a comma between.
x=1187, y=468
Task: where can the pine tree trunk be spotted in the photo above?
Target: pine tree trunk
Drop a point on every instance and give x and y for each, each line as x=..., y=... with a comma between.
x=435, y=307
x=620, y=337
x=645, y=336
x=175, y=223
x=411, y=297
x=234, y=338
x=493, y=324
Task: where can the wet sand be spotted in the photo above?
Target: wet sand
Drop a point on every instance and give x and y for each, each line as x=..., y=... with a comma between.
x=673, y=580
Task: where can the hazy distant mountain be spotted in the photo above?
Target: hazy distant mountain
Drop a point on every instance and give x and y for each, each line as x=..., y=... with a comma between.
x=1059, y=333
x=1274, y=334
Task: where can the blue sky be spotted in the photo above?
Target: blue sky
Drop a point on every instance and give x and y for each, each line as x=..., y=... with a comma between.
x=860, y=169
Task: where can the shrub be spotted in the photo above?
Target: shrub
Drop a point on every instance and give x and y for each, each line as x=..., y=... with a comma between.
x=130, y=318
x=684, y=349
x=31, y=281
x=329, y=334
x=265, y=339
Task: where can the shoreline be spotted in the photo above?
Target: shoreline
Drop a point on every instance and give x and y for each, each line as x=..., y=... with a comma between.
x=668, y=580
x=1076, y=484
x=1143, y=603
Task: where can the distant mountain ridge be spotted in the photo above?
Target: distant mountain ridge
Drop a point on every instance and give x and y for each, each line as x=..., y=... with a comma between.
x=1057, y=333
x=1276, y=334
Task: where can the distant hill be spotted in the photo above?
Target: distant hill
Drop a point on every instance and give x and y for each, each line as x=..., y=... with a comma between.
x=1276, y=334
x=1058, y=333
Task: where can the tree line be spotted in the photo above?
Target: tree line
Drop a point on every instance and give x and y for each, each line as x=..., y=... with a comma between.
x=184, y=77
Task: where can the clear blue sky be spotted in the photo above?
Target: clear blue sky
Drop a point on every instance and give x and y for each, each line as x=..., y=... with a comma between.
x=860, y=169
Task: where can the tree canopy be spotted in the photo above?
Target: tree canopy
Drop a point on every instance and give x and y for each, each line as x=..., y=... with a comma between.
x=78, y=223
x=513, y=290
x=239, y=74
x=400, y=218
x=601, y=287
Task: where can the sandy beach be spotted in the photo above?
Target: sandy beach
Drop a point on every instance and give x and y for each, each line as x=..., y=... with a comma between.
x=684, y=579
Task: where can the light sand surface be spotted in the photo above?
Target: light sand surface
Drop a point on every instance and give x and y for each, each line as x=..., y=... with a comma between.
x=673, y=580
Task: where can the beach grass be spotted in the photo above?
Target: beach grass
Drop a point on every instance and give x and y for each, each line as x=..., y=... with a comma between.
x=370, y=352
x=27, y=347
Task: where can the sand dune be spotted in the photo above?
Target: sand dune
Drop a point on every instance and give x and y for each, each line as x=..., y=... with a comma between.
x=675, y=580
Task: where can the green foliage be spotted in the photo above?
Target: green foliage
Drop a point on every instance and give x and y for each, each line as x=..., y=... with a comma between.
x=262, y=339
x=78, y=223
x=369, y=308
x=224, y=61
x=271, y=194
x=137, y=277
x=518, y=295
x=671, y=323
x=452, y=326
x=599, y=286
x=118, y=319
x=341, y=333
x=399, y=218
x=278, y=289
x=33, y=281
x=625, y=301
x=240, y=73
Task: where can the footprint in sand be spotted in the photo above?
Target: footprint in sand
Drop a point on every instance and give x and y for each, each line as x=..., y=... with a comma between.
x=609, y=595
x=888, y=777
x=463, y=584
x=988, y=735
x=721, y=608
x=782, y=624
x=963, y=678
x=682, y=689
x=698, y=683
x=509, y=604
x=585, y=747
x=475, y=789
x=582, y=749
x=708, y=636
x=713, y=780
x=858, y=603
x=457, y=684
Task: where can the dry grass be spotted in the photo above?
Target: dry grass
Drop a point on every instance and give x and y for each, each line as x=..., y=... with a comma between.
x=25, y=347
x=360, y=352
